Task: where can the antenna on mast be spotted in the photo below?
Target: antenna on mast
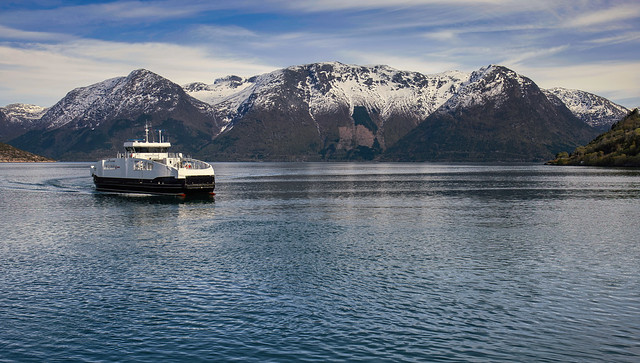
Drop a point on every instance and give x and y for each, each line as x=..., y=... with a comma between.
x=146, y=132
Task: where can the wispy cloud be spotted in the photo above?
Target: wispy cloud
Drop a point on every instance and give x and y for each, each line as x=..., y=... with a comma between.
x=615, y=14
x=74, y=45
x=44, y=73
x=22, y=35
x=416, y=64
x=521, y=56
x=216, y=32
x=335, y=5
x=116, y=12
x=614, y=80
x=625, y=37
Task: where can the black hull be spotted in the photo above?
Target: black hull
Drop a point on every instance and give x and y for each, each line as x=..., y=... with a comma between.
x=193, y=185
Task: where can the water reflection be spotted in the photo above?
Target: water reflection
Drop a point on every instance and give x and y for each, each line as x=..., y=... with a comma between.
x=315, y=261
x=163, y=211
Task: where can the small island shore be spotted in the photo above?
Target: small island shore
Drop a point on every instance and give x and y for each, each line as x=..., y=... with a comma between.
x=619, y=147
x=10, y=154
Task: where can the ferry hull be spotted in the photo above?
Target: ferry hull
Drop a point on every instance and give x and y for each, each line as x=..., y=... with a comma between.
x=191, y=185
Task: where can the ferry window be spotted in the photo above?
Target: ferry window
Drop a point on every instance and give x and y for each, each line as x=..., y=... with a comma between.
x=146, y=149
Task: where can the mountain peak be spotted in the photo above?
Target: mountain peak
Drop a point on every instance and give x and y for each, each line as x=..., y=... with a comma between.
x=142, y=91
x=142, y=73
x=23, y=111
x=232, y=81
x=325, y=110
x=489, y=84
x=497, y=115
x=596, y=111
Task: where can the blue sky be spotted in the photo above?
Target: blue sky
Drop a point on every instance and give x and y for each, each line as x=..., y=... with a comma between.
x=48, y=47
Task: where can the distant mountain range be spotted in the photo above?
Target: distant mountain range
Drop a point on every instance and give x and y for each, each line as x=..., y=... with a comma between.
x=595, y=111
x=320, y=111
x=18, y=118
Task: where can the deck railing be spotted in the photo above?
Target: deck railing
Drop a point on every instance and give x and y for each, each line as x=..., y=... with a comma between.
x=184, y=162
x=189, y=163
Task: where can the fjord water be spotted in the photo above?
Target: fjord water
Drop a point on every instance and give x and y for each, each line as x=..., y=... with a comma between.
x=324, y=262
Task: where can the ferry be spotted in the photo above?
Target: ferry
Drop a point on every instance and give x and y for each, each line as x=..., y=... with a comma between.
x=148, y=167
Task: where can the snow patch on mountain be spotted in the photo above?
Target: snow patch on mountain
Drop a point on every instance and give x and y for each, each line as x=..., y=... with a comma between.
x=592, y=109
x=328, y=87
x=219, y=91
x=488, y=84
x=24, y=114
x=325, y=88
x=141, y=92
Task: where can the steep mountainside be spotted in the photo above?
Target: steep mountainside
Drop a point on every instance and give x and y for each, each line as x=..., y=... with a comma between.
x=95, y=120
x=595, y=111
x=498, y=115
x=620, y=146
x=18, y=118
x=323, y=110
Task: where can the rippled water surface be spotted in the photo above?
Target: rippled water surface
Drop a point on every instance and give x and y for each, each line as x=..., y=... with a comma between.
x=324, y=262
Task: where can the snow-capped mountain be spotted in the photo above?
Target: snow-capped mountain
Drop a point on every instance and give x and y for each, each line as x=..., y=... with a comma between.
x=99, y=117
x=18, y=118
x=596, y=111
x=23, y=113
x=320, y=111
x=327, y=87
x=141, y=92
x=220, y=90
x=496, y=115
x=489, y=84
x=348, y=106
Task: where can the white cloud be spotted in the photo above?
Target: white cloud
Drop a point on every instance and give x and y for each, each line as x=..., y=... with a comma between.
x=617, y=39
x=335, y=5
x=613, y=80
x=22, y=35
x=140, y=10
x=518, y=56
x=44, y=73
x=416, y=64
x=606, y=16
x=442, y=35
x=110, y=12
x=228, y=32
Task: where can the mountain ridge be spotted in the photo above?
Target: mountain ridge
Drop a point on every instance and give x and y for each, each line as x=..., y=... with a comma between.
x=93, y=121
x=497, y=116
x=318, y=111
x=594, y=110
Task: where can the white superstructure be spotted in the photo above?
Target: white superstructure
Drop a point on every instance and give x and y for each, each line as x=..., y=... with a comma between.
x=148, y=167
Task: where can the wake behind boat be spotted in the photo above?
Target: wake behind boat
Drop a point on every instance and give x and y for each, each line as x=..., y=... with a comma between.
x=148, y=167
